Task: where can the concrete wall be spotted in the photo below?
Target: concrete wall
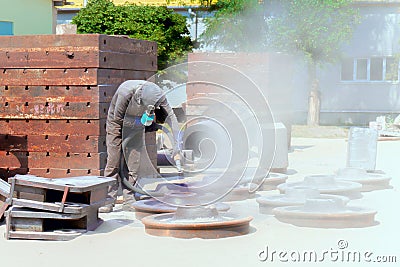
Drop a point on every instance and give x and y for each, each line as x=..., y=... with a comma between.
x=28, y=17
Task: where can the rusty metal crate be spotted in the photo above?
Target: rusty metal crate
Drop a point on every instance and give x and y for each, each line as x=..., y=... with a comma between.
x=55, y=92
x=225, y=69
x=75, y=58
x=44, y=160
x=61, y=127
x=70, y=77
x=50, y=172
x=98, y=42
x=77, y=51
x=53, y=143
x=60, y=173
x=5, y=173
x=53, y=110
x=59, y=94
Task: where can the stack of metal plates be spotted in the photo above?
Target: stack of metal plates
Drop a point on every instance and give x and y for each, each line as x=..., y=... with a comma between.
x=4, y=194
x=55, y=209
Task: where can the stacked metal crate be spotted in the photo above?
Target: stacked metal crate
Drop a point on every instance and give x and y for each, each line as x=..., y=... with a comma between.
x=54, y=209
x=4, y=194
x=235, y=72
x=55, y=92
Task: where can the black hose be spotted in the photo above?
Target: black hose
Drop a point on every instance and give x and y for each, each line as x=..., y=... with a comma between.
x=138, y=190
x=134, y=188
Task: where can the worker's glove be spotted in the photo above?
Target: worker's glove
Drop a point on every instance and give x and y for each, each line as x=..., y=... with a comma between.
x=138, y=123
x=154, y=127
x=132, y=122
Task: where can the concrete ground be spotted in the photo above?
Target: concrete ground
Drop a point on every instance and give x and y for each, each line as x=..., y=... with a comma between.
x=122, y=241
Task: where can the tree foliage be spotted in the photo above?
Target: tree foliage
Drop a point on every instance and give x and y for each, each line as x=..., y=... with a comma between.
x=152, y=23
x=236, y=25
x=317, y=28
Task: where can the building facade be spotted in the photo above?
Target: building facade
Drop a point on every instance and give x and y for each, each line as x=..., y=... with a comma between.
x=365, y=84
x=20, y=17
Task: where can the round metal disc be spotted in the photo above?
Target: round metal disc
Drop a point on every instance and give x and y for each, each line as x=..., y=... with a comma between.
x=272, y=181
x=370, y=181
x=148, y=207
x=227, y=226
x=346, y=218
x=239, y=193
x=268, y=203
x=344, y=188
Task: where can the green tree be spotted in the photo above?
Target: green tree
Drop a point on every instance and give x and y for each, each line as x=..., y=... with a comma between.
x=236, y=25
x=152, y=23
x=316, y=28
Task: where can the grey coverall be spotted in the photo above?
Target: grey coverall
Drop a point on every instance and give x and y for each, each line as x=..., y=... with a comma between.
x=125, y=133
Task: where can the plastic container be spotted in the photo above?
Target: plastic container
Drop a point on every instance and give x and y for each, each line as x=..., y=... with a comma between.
x=362, y=148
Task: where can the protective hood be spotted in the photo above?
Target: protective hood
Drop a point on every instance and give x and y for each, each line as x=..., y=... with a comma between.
x=151, y=94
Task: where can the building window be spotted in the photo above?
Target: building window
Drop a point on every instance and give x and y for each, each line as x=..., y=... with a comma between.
x=375, y=69
x=6, y=28
x=362, y=69
x=347, y=69
x=392, y=69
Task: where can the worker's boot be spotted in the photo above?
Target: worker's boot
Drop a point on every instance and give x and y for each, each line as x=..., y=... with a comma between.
x=139, y=196
x=106, y=209
x=129, y=199
x=112, y=193
x=128, y=195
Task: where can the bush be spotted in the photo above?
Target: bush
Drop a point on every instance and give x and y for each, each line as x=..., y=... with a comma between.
x=152, y=23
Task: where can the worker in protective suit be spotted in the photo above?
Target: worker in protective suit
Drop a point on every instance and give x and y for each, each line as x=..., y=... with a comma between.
x=132, y=110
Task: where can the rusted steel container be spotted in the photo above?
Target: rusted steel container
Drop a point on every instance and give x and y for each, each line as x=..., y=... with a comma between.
x=55, y=92
x=77, y=51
